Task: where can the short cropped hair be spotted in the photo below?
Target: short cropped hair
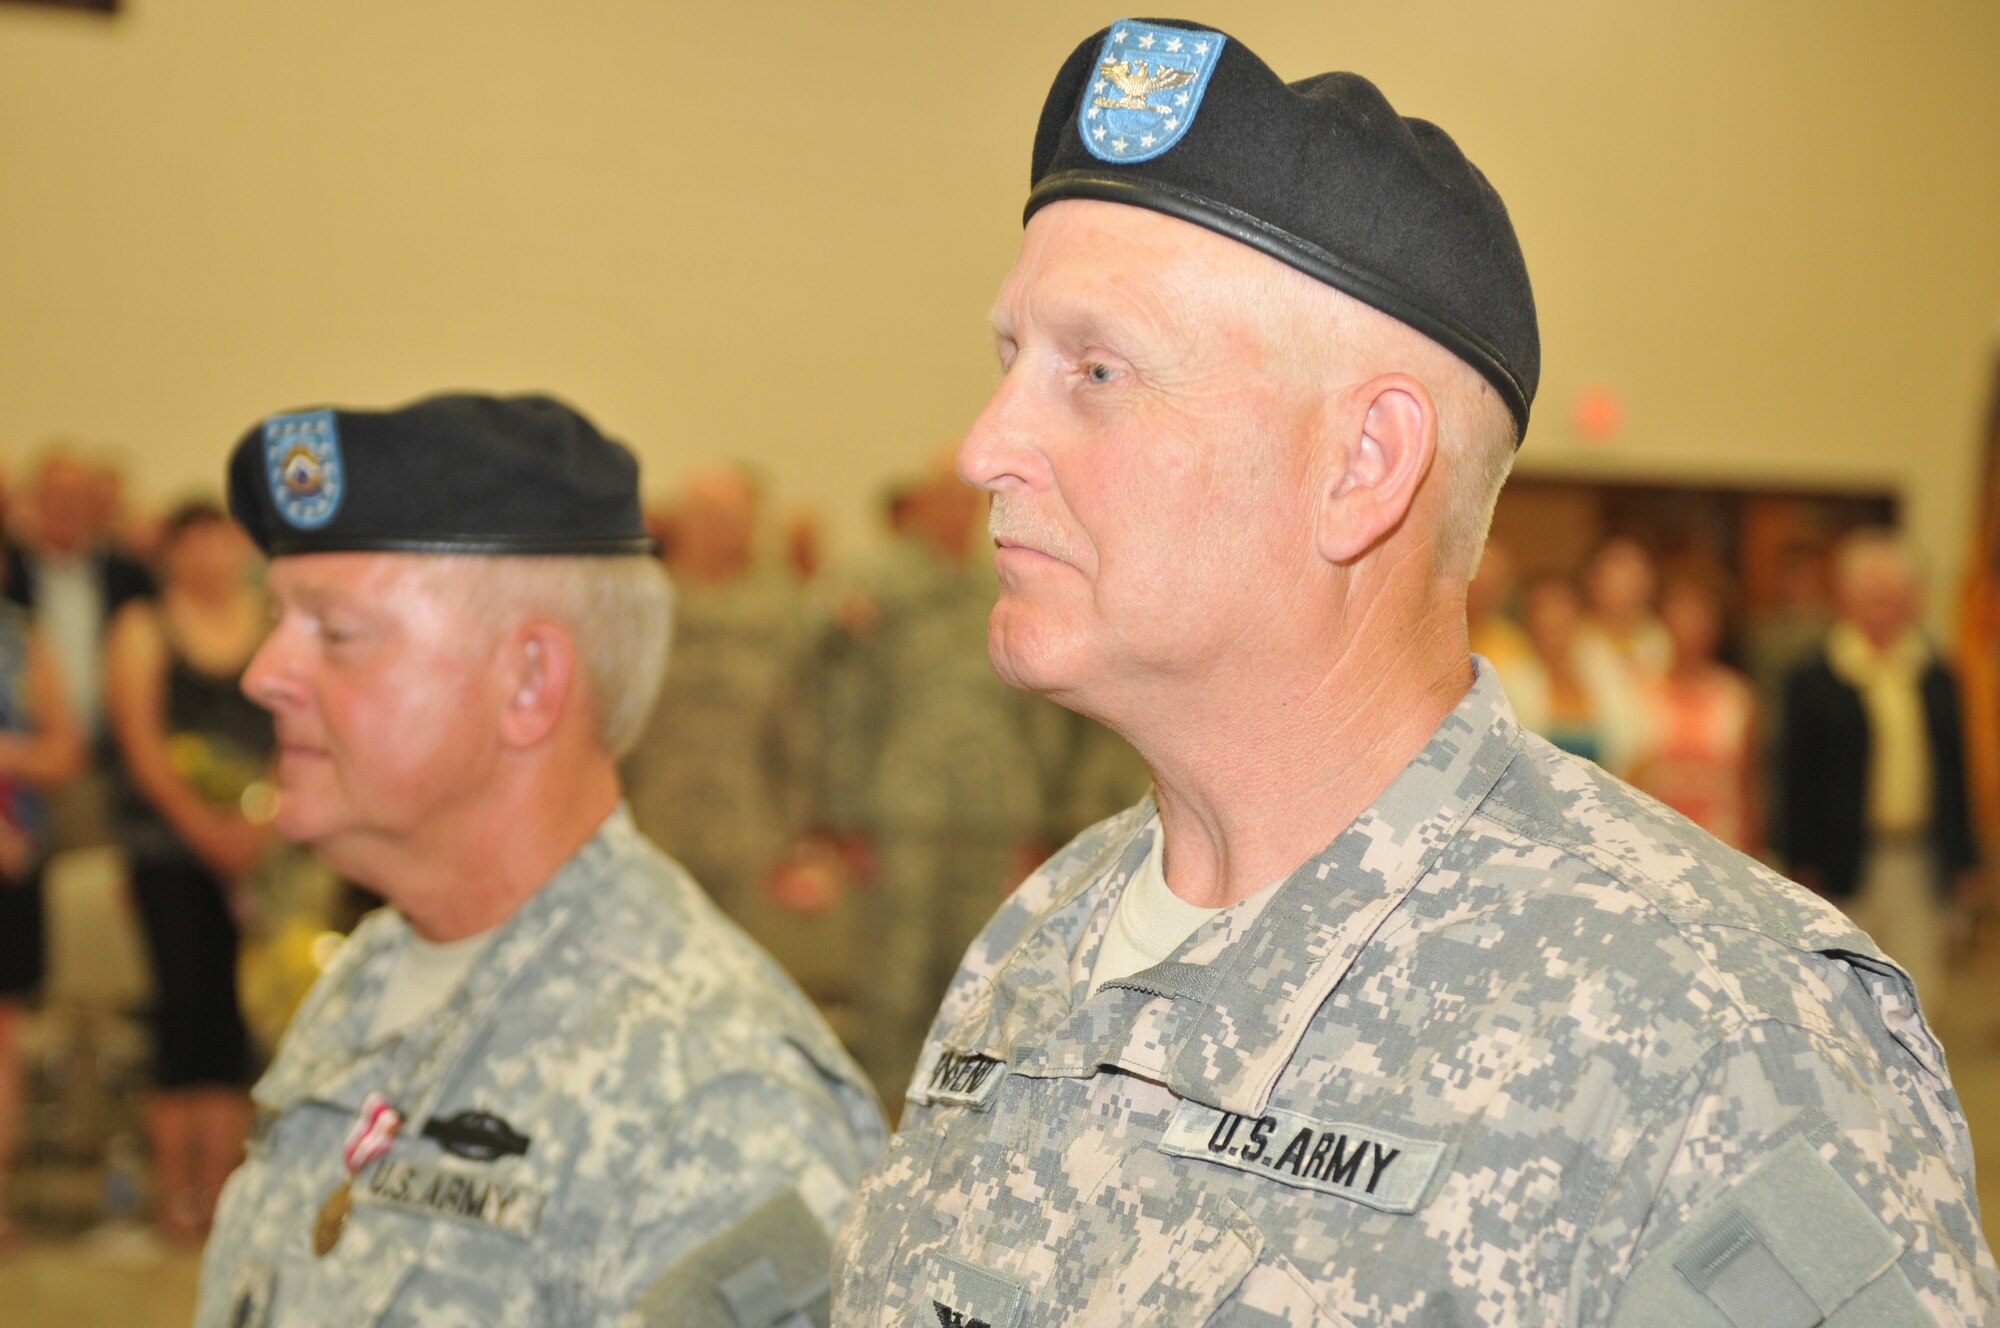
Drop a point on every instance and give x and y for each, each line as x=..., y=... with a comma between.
x=618, y=611
x=1477, y=436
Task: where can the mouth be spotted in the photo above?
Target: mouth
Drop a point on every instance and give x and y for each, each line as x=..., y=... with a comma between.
x=1006, y=550
x=292, y=752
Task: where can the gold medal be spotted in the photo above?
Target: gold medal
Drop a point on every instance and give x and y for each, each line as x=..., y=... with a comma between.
x=333, y=1218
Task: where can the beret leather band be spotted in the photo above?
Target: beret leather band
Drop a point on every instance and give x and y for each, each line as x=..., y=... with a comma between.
x=279, y=546
x=1302, y=254
x=458, y=473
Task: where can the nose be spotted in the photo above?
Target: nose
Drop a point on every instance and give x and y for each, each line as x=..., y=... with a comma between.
x=270, y=679
x=1000, y=451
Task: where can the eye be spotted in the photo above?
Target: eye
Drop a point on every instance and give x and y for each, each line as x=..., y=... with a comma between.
x=1005, y=350
x=336, y=633
x=1099, y=372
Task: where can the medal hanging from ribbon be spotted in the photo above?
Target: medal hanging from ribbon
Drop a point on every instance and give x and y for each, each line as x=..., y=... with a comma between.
x=374, y=1131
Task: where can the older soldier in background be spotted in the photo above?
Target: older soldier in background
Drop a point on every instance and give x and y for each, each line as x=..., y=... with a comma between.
x=937, y=774
x=550, y=1084
x=1385, y=1012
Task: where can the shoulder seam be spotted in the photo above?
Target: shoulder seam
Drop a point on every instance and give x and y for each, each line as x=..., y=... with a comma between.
x=1623, y=874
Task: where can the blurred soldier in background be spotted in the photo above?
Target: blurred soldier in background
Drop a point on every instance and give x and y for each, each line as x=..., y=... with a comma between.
x=718, y=777
x=722, y=776
x=937, y=774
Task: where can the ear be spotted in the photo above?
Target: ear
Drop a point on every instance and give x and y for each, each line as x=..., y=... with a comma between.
x=1390, y=427
x=540, y=664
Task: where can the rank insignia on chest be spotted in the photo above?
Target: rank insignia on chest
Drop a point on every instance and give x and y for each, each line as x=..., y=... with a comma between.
x=1381, y=1168
x=1146, y=90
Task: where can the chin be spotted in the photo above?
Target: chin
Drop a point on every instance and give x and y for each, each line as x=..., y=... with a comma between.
x=1030, y=653
x=302, y=818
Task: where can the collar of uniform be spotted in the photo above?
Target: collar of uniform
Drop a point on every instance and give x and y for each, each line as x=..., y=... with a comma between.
x=1033, y=988
x=326, y=1056
x=1275, y=979
x=1247, y=1009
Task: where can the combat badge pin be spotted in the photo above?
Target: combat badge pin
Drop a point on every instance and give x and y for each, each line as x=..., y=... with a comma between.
x=374, y=1131
x=478, y=1136
x=1148, y=87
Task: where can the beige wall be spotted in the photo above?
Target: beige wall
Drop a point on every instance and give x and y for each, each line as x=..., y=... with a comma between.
x=771, y=230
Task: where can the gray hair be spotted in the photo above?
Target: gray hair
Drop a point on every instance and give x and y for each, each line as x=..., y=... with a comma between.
x=617, y=610
x=1477, y=435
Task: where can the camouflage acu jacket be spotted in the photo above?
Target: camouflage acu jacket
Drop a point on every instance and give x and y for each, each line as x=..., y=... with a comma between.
x=1519, y=1047
x=625, y=1114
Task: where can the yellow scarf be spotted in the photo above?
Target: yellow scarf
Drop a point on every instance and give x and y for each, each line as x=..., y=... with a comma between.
x=1890, y=683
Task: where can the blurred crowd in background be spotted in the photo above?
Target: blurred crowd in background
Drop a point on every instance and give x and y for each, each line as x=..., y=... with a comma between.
x=833, y=758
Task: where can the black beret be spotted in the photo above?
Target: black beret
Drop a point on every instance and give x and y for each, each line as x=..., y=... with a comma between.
x=448, y=474
x=1321, y=174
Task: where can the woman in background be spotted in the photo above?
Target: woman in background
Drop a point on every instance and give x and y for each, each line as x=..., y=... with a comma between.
x=1699, y=722
x=40, y=749
x=194, y=749
x=1580, y=700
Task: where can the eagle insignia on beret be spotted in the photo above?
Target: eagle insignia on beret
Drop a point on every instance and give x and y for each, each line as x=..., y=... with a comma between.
x=302, y=462
x=1146, y=90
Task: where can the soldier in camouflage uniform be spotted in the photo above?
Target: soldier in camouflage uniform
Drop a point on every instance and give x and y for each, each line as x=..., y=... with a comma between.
x=722, y=775
x=716, y=774
x=551, y=1084
x=937, y=768
x=1381, y=1011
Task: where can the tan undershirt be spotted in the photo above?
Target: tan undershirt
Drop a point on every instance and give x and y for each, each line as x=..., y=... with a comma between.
x=425, y=976
x=1151, y=921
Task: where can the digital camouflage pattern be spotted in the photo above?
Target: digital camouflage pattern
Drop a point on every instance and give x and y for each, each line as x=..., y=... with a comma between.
x=621, y=1083
x=1520, y=1046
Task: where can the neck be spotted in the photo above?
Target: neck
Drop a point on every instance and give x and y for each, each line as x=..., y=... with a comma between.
x=1254, y=778
x=478, y=864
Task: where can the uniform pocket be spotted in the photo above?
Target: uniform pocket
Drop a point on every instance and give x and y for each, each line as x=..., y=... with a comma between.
x=1275, y=1291
x=1143, y=1247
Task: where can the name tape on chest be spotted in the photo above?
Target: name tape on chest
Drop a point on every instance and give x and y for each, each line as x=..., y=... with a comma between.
x=1369, y=1165
x=965, y=1079
x=435, y=1191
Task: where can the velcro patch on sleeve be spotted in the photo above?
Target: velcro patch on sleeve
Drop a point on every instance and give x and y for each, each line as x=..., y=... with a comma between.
x=1368, y=1164
x=770, y=1267
x=1791, y=1246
